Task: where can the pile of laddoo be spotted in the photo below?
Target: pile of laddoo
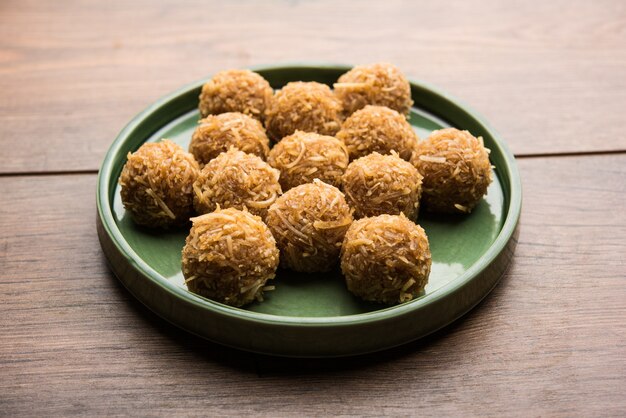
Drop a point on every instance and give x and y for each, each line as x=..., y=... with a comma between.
x=305, y=178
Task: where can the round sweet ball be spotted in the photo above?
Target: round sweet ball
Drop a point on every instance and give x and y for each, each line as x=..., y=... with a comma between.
x=303, y=106
x=376, y=84
x=382, y=184
x=305, y=156
x=378, y=129
x=236, y=91
x=218, y=133
x=229, y=256
x=157, y=184
x=386, y=259
x=456, y=170
x=236, y=180
x=309, y=223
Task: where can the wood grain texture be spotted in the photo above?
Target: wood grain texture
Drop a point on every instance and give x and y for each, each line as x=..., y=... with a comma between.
x=548, y=75
x=549, y=341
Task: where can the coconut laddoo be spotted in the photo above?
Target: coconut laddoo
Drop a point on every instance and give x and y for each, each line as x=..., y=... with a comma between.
x=305, y=156
x=156, y=184
x=377, y=129
x=382, y=184
x=218, y=133
x=228, y=256
x=309, y=223
x=456, y=170
x=379, y=84
x=239, y=180
x=235, y=91
x=386, y=259
x=303, y=106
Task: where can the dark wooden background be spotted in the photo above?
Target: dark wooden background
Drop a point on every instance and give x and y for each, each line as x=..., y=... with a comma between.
x=550, y=76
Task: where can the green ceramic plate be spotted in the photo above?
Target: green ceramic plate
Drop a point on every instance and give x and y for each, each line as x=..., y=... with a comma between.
x=314, y=315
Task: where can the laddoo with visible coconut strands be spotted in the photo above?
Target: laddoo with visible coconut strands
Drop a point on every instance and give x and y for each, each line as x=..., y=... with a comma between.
x=386, y=259
x=156, y=184
x=305, y=156
x=303, y=106
x=238, y=180
x=218, y=133
x=229, y=255
x=382, y=184
x=378, y=129
x=309, y=223
x=378, y=84
x=236, y=91
x=456, y=170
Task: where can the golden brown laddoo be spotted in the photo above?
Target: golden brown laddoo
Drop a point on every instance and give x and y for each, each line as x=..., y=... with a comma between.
x=382, y=184
x=378, y=129
x=378, y=84
x=456, y=170
x=305, y=156
x=303, y=106
x=386, y=259
x=218, y=133
x=309, y=223
x=236, y=91
x=239, y=180
x=229, y=255
x=156, y=184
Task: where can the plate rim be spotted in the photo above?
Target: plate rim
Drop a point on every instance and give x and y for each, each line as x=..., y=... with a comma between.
x=506, y=233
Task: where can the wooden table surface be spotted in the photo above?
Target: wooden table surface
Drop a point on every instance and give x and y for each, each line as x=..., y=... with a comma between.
x=550, y=76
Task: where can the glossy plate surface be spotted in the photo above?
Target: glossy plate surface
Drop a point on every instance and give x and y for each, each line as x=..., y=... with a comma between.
x=314, y=315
